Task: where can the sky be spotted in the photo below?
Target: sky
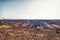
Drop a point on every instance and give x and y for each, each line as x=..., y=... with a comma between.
x=29, y=9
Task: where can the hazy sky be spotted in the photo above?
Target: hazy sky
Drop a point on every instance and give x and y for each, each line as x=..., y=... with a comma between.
x=30, y=9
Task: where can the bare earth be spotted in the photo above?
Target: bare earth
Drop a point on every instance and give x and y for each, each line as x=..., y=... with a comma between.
x=29, y=30
x=28, y=34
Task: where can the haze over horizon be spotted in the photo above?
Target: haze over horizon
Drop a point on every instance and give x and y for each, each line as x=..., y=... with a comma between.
x=30, y=9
